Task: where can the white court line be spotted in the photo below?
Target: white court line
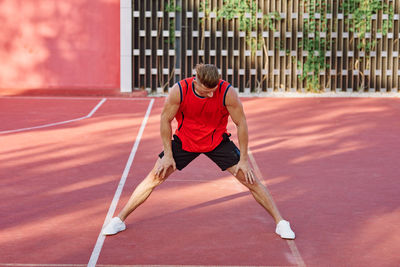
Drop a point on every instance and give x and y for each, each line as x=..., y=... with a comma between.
x=291, y=243
x=100, y=239
x=57, y=123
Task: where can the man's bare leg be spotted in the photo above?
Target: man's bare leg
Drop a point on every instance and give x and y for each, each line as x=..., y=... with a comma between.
x=143, y=191
x=260, y=193
x=139, y=195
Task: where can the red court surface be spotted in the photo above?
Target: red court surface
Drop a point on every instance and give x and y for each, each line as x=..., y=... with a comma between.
x=331, y=165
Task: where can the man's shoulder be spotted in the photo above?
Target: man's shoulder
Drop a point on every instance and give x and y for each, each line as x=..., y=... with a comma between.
x=231, y=98
x=223, y=85
x=186, y=81
x=174, y=95
x=184, y=86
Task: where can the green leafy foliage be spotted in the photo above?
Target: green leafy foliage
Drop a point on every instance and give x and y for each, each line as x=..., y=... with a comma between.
x=315, y=45
x=171, y=7
x=246, y=12
x=361, y=20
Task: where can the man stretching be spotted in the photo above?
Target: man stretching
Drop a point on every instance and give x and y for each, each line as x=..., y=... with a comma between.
x=201, y=105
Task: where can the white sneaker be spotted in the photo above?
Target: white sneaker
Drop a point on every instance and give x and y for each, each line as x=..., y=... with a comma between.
x=283, y=229
x=114, y=226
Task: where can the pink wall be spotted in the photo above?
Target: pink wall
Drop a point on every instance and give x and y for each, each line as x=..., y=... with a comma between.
x=60, y=44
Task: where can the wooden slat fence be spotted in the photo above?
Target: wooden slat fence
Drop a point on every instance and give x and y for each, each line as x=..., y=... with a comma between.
x=171, y=37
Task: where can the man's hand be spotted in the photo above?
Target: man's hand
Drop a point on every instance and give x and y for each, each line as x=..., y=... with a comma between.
x=165, y=163
x=244, y=166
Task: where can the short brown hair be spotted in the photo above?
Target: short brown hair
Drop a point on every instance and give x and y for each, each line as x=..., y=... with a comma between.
x=207, y=75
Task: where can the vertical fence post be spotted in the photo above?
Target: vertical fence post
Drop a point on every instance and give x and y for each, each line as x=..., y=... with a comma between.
x=126, y=46
x=178, y=27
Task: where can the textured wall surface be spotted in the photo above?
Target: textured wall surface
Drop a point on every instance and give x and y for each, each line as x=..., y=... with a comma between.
x=69, y=44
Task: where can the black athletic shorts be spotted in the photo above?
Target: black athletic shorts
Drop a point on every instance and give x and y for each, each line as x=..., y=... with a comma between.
x=225, y=155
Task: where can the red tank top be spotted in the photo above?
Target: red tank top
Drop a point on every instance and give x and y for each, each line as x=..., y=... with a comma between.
x=201, y=120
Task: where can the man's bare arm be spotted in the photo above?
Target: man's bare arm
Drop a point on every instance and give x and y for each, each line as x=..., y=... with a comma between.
x=168, y=113
x=236, y=112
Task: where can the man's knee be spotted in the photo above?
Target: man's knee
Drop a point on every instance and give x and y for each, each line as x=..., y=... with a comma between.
x=157, y=179
x=256, y=185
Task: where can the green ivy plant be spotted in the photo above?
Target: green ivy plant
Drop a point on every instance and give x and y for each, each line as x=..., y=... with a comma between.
x=315, y=45
x=240, y=9
x=361, y=23
x=171, y=7
x=245, y=11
